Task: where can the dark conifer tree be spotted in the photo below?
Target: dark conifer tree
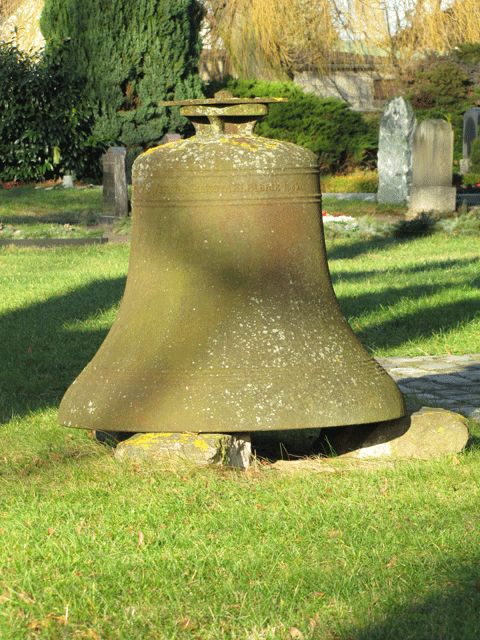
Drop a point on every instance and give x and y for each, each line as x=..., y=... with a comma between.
x=129, y=54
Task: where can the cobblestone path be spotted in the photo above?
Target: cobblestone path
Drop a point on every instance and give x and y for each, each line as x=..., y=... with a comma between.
x=450, y=382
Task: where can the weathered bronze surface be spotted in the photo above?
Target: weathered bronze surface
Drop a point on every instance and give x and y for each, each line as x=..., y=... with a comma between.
x=229, y=322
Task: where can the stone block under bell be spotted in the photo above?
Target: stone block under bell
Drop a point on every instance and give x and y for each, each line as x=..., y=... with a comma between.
x=229, y=322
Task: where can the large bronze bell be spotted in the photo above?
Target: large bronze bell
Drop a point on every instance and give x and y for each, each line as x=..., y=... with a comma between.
x=229, y=322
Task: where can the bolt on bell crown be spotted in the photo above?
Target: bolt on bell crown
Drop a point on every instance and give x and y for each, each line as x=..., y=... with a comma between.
x=229, y=322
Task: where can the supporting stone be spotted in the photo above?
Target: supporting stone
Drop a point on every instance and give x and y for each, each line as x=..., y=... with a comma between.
x=115, y=192
x=428, y=433
x=233, y=450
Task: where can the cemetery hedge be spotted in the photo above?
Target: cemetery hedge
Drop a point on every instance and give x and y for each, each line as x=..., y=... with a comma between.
x=43, y=131
x=128, y=55
x=104, y=69
x=342, y=138
x=445, y=87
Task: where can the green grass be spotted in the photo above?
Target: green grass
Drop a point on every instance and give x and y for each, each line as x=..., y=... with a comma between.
x=358, y=208
x=373, y=554
x=411, y=298
x=365, y=553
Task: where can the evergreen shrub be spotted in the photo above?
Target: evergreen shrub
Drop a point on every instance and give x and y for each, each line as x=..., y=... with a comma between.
x=43, y=133
x=443, y=88
x=423, y=225
x=444, y=85
x=342, y=138
x=129, y=55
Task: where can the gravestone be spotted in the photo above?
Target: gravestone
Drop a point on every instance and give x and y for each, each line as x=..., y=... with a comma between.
x=68, y=181
x=115, y=194
x=395, y=152
x=432, y=159
x=170, y=137
x=471, y=130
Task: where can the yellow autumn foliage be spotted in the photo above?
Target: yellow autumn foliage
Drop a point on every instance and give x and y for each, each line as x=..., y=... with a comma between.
x=286, y=35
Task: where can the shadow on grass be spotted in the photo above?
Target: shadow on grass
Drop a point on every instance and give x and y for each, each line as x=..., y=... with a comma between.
x=39, y=356
x=450, y=612
x=409, y=327
x=473, y=444
x=438, y=265
x=65, y=217
x=343, y=251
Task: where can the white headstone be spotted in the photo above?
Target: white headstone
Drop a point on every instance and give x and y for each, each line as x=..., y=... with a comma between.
x=68, y=181
x=395, y=152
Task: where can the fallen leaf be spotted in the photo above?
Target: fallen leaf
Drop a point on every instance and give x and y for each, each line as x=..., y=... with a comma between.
x=51, y=530
x=24, y=597
x=313, y=622
x=392, y=562
x=140, y=538
x=295, y=633
x=38, y=625
x=186, y=623
x=319, y=594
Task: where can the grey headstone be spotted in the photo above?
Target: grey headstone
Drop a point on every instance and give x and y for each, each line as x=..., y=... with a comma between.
x=115, y=193
x=395, y=152
x=471, y=129
x=432, y=159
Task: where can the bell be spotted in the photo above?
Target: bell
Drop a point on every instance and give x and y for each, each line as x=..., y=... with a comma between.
x=229, y=322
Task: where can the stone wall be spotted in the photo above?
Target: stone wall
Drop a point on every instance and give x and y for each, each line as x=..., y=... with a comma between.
x=359, y=89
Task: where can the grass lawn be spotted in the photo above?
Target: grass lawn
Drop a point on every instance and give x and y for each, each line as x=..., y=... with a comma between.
x=27, y=204
x=97, y=550
x=357, y=208
x=26, y=212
